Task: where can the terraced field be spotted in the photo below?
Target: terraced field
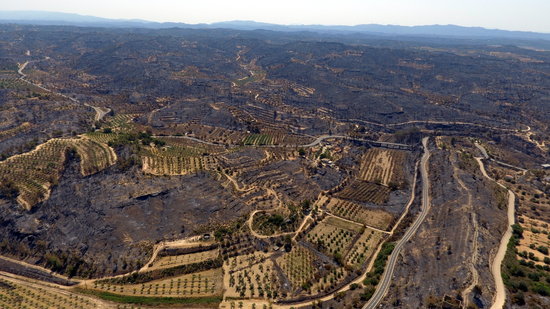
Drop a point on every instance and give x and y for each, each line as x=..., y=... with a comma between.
x=16, y=294
x=366, y=192
x=175, y=161
x=200, y=284
x=258, y=139
x=120, y=122
x=383, y=166
x=101, y=137
x=184, y=259
x=334, y=236
x=15, y=130
x=34, y=173
x=352, y=211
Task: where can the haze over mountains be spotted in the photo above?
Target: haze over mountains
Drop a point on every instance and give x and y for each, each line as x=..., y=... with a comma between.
x=57, y=18
x=171, y=165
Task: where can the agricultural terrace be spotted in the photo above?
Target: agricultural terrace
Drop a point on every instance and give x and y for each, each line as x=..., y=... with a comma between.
x=175, y=161
x=257, y=140
x=94, y=156
x=298, y=266
x=101, y=137
x=383, y=166
x=364, y=248
x=201, y=148
x=365, y=192
x=355, y=212
x=16, y=294
x=250, y=276
x=535, y=242
x=279, y=137
x=334, y=236
x=120, y=122
x=35, y=172
x=15, y=130
x=17, y=84
x=208, y=133
x=199, y=284
x=164, y=155
x=184, y=259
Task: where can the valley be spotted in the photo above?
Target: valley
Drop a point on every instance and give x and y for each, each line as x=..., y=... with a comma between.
x=198, y=168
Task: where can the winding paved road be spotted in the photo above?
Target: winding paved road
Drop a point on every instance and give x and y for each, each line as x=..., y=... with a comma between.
x=385, y=282
x=487, y=157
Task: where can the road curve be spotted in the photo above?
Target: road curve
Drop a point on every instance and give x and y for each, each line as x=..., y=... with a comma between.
x=324, y=137
x=499, y=299
x=385, y=282
x=189, y=138
x=437, y=122
x=100, y=113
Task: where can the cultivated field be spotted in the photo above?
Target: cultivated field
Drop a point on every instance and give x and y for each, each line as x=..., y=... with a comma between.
x=184, y=259
x=120, y=122
x=200, y=284
x=365, y=192
x=364, y=248
x=334, y=236
x=383, y=166
x=175, y=160
x=15, y=294
x=297, y=265
x=15, y=130
x=257, y=139
x=250, y=276
x=535, y=244
x=329, y=280
x=352, y=211
x=35, y=172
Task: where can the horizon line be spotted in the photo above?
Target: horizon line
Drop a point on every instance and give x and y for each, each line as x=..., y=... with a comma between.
x=260, y=22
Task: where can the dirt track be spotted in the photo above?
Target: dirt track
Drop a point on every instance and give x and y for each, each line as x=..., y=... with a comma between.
x=499, y=298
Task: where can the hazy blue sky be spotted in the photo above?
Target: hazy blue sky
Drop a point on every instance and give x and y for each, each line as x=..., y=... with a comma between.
x=531, y=15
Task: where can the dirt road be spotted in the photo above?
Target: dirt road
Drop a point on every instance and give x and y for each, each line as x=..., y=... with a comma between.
x=499, y=299
x=101, y=112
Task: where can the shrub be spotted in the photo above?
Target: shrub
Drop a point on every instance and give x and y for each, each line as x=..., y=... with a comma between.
x=541, y=289
x=517, y=230
x=518, y=299
x=354, y=286
x=543, y=249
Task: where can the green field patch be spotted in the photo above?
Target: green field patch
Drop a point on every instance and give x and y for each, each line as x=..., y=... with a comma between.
x=258, y=139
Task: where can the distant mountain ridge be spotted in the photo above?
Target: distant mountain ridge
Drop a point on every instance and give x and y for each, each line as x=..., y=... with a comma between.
x=57, y=18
